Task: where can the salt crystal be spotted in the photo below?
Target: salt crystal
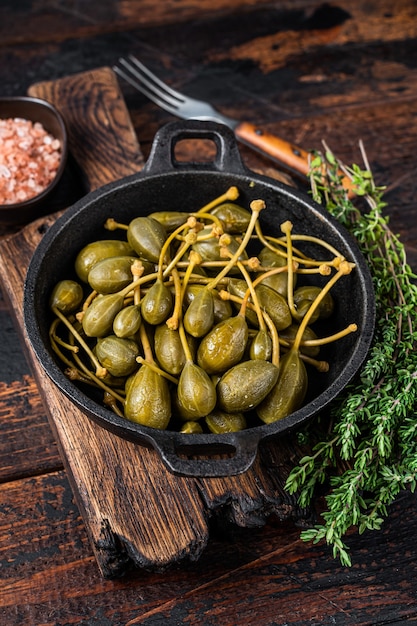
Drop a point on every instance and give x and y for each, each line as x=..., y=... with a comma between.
x=28, y=175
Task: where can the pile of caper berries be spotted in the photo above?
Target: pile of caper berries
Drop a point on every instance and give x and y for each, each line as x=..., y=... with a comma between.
x=182, y=329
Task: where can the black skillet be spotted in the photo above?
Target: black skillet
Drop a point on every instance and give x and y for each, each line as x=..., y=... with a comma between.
x=168, y=184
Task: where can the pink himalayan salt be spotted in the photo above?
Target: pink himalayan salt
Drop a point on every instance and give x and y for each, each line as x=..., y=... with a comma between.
x=29, y=159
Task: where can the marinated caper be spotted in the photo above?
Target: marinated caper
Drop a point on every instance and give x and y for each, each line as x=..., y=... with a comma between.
x=219, y=422
x=94, y=252
x=98, y=318
x=289, y=391
x=245, y=385
x=196, y=392
x=148, y=399
x=117, y=355
x=305, y=296
x=261, y=346
x=223, y=346
x=269, y=300
x=146, y=236
x=235, y=219
x=191, y=427
x=199, y=316
x=222, y=309
x=278, y=282
x=113, y=273
x=170, y=220
x=168, y=348
x=127, y=322
x=156, y=305
x=66, y=296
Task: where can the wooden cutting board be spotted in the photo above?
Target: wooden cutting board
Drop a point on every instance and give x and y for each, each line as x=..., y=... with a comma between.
x=135, y=511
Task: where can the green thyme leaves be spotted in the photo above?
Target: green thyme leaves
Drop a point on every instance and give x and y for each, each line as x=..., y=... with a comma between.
x=365, y=451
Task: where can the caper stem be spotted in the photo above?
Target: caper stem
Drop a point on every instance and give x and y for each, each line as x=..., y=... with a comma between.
x=321, y=366
x=146, y=345
x=231, y=194
x=351, y=328
x=155, y=368
x=93, y=379
x=323, y=270
x=198, y=279
x=320, y=242
x=266, y=241
x=59, y=353
x=75, y=374
x=110, y=401
x=137, y=283
x=257, y=206
x=111, y=224
x=53, y=335
x=344, y=269
x=225, y=295
x=274, y=338
x=184, y=343
x=297, y=255
x=272, y=272
x=248, y=262
x=86, y=304
x=321, y=341
x=164, y=250
x=253, y=294
x=189, y=239
x=96, y=379
x=100, y=370
x=194, y=259
x=173, y=321
x=137, y=270
x=286, y=228
x=212, y=218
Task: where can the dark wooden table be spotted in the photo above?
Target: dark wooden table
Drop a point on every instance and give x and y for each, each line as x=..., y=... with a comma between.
x=307, y=71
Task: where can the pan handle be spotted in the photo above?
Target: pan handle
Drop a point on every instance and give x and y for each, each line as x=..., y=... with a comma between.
x=162, y=154
x=211, y=459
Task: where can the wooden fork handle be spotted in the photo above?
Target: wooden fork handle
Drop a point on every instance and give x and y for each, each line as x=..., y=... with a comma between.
x=290, y=155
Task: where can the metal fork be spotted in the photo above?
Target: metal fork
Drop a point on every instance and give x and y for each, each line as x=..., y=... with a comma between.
x=180, y=105
x=171, y=100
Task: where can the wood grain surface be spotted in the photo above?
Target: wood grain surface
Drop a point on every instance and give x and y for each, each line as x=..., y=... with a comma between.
x=308, y=71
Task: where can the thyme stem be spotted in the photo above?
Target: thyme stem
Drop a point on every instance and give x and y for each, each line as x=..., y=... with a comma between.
x=365, y=448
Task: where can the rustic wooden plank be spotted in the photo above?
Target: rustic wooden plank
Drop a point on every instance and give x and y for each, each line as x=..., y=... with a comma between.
x=288, y=59
x=27, y=445
x=25, y=431
x=46, y=560
x=57, y=22
x=103, y=142
x=368, y=594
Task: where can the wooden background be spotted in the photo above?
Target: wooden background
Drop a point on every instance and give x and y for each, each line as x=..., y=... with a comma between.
x=308, y=71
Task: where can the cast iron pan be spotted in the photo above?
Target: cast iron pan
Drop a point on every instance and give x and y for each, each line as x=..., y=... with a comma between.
x=167, y=184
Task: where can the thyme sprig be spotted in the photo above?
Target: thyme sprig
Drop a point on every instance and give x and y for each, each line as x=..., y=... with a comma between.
x=365, y=450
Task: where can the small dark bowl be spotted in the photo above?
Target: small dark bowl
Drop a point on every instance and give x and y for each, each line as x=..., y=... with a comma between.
x=35, y=110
